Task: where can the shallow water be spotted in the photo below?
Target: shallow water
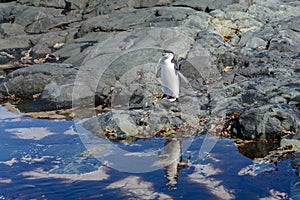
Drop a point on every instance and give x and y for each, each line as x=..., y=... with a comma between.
x=47, y=159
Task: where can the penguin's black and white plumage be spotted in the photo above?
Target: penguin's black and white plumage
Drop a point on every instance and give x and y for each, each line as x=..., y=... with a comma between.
x=169, y=76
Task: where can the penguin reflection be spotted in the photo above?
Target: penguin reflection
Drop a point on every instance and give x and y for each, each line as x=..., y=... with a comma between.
x=172, y=161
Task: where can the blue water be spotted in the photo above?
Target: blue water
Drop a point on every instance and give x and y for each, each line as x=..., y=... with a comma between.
x=46, y=159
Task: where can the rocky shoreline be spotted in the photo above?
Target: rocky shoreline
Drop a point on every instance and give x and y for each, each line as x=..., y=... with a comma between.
x=241, y=59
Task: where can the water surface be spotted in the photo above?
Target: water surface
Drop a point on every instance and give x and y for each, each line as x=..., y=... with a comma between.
x=47, y=159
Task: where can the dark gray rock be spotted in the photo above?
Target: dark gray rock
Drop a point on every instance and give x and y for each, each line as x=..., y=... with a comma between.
x=162, y=119
x=197, y=20
x=44, y=3
x=273, y=10
x=74, y=53
x=60, y=4
x=96, y=7
x=49, y=23
x=268, y=121
x=117, y=21
x=151, y=3
x=42, y=19
x=286, y=40
x=169, y=17
x=59, y=94
x=287, y=23
x=205, y=5
x=5, y=1
x=6, y=11
x=8, y=30
x=45, y=43
x=238, y=56
x=76, y=4
x=115, y=125
x=25, y=15
x=213, y=43
x=14, y=43
x=26, y=82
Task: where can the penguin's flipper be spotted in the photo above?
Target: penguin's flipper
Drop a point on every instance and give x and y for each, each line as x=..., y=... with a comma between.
x=158, y=72
x=177, y=67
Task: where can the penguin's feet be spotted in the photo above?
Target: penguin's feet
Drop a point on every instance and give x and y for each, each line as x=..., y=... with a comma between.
x=169, y=98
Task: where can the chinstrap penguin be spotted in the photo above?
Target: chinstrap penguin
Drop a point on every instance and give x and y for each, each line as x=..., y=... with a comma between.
x=169, y=76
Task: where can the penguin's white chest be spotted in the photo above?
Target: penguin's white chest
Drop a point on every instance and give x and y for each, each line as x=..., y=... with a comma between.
x=169, y=79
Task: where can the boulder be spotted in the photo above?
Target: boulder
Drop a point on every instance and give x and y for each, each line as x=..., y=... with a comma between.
x=59, y=94
x=26, y=15
x=6, y=12
x=117, y=21
x=205, y=5
x=268, y=121
x=286, y=40
x=26, y=82
x=14, y=43
x=151, y=3
x=74, y=53
x=8, y=30
x=96, y=7
x=48, y=23
x=163, y=119
x=273, y=10
x=44, y=3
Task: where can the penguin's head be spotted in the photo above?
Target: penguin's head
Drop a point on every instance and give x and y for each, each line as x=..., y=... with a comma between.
x=167, y=54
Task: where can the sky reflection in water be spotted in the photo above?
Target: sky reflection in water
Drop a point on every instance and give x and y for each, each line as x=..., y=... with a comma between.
x=45, y=159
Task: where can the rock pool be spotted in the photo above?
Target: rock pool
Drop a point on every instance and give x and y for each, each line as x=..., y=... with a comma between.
x=47, y=159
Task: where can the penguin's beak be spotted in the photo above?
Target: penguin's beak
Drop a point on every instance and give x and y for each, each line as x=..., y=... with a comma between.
x=164, y=54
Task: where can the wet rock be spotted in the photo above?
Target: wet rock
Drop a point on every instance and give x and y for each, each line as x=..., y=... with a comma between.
x=163, y=118
x=133, y=124
x=26, y=82
x=268, y=121
x=57, y=94
x=116, y=125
